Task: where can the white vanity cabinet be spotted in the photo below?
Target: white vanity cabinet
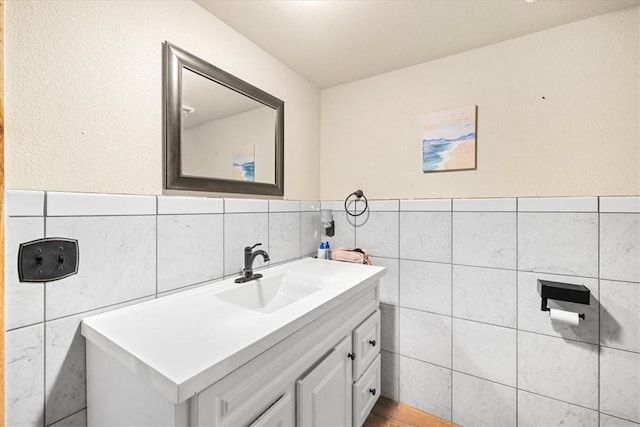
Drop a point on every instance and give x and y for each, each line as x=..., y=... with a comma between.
x=315, y=366
x=320, y=369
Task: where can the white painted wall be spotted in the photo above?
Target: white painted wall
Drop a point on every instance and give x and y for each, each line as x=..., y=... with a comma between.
x=83, y=93
x=583, y=139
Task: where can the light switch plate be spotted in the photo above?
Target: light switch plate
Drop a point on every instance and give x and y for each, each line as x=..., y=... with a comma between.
x=45, y=260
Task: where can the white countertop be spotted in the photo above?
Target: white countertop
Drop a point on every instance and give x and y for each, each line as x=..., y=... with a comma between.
x=184, y=342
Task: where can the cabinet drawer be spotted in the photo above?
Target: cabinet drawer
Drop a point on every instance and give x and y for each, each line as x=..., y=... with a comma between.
x=366, y=343
x=366, y=392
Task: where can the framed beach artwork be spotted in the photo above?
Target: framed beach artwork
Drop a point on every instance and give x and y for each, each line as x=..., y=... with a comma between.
x=244, y=164
x=449, y=140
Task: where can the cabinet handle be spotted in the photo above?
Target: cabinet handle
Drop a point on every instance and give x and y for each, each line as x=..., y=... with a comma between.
x=373, y=343
x=351, y=356
x=372, y=391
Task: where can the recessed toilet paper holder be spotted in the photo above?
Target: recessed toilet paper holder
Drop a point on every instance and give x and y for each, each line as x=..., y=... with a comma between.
x=547, y=290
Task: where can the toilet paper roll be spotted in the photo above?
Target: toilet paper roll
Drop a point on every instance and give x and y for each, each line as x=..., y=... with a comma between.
x=563, y=316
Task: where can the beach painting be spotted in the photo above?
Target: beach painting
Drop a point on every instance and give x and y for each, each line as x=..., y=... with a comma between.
x=449, y=140
x=244, y=163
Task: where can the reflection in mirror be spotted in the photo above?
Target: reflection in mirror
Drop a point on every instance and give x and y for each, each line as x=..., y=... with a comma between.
x=225, y=134
x=221, y=133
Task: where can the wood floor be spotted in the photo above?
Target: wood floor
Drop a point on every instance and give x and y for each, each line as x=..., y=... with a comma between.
x=389, y=413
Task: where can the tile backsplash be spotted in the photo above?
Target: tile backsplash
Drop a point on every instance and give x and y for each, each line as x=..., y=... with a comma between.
x=462, y=334
x=132, y=248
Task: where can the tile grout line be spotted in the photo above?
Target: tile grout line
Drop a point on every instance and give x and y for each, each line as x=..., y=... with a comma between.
x=451, y=311
x=560, y=400
x=505, y=385
x=67, y=416
x=66, y=316
x=599, y=318
x=514, y=329
x=517, y=307
x=104, y=215
x=619, y=349
x=434, y=313
x=615, y=280
x=17, y=328
x=634, y=423
x=397, y=307
x=189, y=287
x=157, y=244
x=44, y=321
x=224, y=228
x=300, y=234
x=505, y=269
x=462, y=372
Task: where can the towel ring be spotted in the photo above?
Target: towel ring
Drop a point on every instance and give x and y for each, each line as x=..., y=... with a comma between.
x=359, y=195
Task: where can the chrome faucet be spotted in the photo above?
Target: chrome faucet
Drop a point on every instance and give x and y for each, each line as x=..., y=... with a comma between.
x=249, y=257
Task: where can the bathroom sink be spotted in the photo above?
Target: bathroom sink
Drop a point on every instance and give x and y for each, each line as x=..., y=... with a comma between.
x=269, y=294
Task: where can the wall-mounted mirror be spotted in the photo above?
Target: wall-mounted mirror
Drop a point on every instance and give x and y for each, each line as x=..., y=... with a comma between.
x=221, y=133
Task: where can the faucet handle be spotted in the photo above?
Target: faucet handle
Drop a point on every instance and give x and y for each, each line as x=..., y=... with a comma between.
x=254, y=246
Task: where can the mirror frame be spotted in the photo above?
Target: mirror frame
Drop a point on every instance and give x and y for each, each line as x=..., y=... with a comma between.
x=174, y=61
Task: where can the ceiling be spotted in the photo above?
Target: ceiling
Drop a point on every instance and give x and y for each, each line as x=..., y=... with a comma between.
x=330, y=42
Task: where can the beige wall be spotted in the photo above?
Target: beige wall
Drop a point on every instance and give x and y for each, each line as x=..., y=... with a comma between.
x=583, y=139
x=83, y=107
x=84, y=93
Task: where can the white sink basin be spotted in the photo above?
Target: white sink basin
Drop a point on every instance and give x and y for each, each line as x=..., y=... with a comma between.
x=269, y=294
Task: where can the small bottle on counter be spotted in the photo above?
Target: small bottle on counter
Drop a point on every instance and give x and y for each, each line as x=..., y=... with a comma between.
x=322, y=251
x=328, y=249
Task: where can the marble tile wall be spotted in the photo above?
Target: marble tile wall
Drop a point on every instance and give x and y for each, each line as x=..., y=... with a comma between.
x=463, y=336
x=132, y=248
x=462, y=331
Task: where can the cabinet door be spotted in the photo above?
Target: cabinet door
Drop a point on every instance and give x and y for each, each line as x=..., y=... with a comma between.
x=279, y=415
x=324, y=394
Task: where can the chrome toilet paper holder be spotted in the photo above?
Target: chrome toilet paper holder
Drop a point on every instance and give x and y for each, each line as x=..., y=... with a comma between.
x=578, y=294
